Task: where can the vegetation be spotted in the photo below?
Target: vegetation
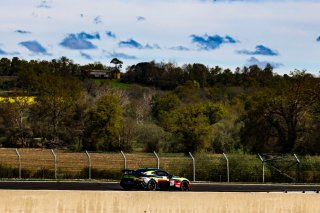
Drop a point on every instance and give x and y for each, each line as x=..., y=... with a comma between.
x=158, y=106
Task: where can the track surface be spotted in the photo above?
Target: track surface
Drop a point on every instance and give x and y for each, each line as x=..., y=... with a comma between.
x=196, y=187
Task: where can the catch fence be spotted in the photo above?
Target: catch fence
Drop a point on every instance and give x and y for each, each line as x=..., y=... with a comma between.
x=61, y=164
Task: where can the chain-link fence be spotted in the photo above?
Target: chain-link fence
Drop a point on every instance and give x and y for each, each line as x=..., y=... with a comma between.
x=61, y=164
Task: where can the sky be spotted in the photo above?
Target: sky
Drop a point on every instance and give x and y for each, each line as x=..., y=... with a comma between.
x=225, y=33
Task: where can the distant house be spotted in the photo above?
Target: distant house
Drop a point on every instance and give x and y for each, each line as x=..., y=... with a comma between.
x=100, y=74
x=110, y=73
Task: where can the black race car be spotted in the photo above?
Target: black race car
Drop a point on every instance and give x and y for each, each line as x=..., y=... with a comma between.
x=153, y=179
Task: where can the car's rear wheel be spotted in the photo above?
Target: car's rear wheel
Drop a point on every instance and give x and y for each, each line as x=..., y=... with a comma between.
x=152, y=185
x=184, y=186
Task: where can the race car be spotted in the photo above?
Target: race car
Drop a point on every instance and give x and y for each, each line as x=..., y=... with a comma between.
x=153, y=179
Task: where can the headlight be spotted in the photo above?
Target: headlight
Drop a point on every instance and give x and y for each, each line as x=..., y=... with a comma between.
x=146, y=180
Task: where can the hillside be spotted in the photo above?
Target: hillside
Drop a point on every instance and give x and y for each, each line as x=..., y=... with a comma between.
x=158, y=107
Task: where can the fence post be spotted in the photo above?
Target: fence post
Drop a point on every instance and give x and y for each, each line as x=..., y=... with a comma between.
x=19, y=160
x=125, y=160
x=55, y=163
x=262, y=167
x=158, y=160
x=297, y=159
x=228, y=171
x=298, y=166
x=89, y=164
x=194, y=166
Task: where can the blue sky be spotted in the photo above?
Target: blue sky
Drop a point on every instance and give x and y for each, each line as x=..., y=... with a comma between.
x=227, y=33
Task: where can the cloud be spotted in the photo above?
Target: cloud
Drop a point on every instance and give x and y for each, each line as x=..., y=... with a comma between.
x=131, y=44
x=260, y=50
x=111, y=34
x=121, y=55
x=44, y=4
x=34, y=47
x=2, y=52
x=79, y=41
x=22, y=32
x=141, y=18
x=97, y=20
x=86, y=56
x=262, y=64
x=318, y=39
x=84, y=35
x=179, y=48
x=255, y=1
x=208, y=42
x=154, y=46
x=229, y=39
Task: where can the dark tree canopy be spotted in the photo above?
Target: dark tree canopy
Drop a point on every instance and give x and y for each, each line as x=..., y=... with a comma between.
x=116, y=62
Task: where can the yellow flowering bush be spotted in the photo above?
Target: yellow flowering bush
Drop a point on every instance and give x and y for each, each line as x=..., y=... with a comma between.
x=22, y=99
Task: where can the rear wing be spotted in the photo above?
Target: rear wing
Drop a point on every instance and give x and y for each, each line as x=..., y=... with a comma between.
x=133, y=172
x=127, y=171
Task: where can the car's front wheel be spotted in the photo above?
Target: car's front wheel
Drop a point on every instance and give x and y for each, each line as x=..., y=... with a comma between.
x=152, y=185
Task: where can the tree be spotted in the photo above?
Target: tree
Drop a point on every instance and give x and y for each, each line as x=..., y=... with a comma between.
x=280, y=119
x=14, y=113
x=117, y=63
x=189, y=92
x=257, y=134
x=55, y=103
x=5, y=66
x=63, y=67
x=191, y=125
x=199, y=73
x=171, y=76
x=164, y=104
x=153, y=138
x=226, y=132
x=75, y=125
x=213, y=75
x=28, y=78
x=140, y=107
x=103, y=125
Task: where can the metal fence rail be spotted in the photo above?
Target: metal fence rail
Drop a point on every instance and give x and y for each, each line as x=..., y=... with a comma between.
x=60, y=164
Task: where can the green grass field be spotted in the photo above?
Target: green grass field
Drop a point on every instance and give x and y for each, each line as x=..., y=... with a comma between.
x=114, y=83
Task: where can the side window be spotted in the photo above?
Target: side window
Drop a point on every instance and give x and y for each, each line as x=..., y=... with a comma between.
x=161, y=173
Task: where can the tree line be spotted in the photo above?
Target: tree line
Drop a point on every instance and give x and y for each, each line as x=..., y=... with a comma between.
x=159, y=107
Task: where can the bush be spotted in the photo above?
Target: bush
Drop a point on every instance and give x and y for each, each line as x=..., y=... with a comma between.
x=8, y=172
x=44, y=174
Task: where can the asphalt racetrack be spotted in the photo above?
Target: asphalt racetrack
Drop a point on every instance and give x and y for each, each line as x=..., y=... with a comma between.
x=114, y=186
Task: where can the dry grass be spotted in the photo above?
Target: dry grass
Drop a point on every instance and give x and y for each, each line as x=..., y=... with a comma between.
x=36, y=159
x=71, y=164
x=43, y=158
x=39, y=163
x=40, y=159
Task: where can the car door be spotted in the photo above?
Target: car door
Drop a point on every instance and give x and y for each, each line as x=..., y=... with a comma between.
x=164, y=175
